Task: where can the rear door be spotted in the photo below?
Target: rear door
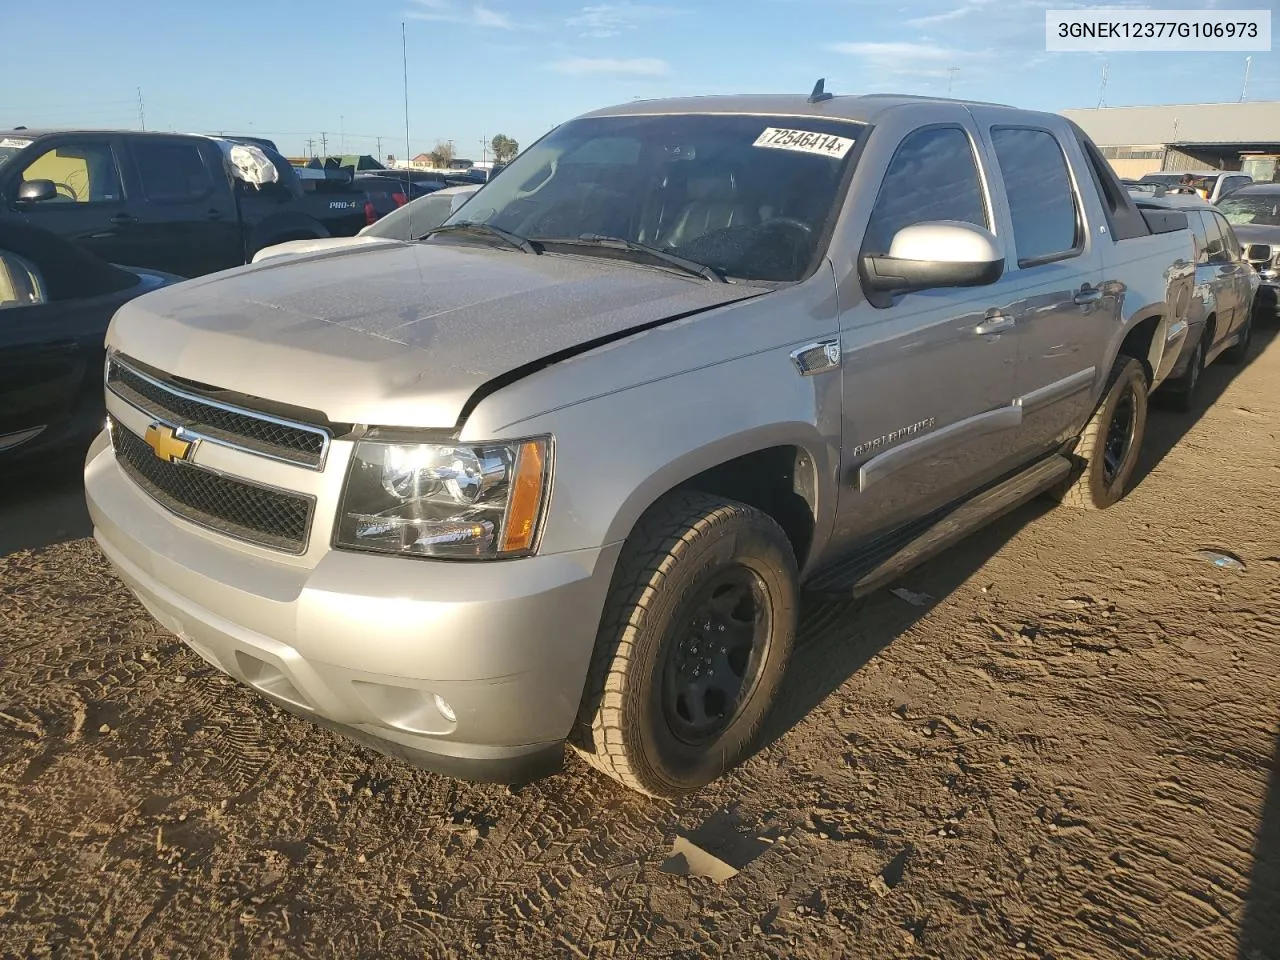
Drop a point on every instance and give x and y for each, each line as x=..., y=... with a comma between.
x=1235, y=270
x=1054, y=279
x=185, y=221
x=90, y=207
x=1215, y=267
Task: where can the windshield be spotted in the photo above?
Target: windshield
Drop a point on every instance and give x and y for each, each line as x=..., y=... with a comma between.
x=1261, y=209
x=1175, y=180
x=416, y=218
x=749, y=196
x=11, y=146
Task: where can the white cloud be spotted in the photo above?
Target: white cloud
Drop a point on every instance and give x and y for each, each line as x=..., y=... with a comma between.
x=443, y=11
x=895, y=51
x=637, y=67
x=611, y=19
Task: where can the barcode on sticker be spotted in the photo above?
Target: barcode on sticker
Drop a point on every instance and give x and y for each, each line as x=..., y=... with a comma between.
x=804, y=141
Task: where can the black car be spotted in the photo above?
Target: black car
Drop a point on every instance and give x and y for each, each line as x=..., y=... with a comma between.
x=162, y=201
x=55, y=303
x=1254, y=213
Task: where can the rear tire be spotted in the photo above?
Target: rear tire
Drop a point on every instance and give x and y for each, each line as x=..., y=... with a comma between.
x=1182, y=393
x=1111, y=443
x=704, y=586
x=1239, y=352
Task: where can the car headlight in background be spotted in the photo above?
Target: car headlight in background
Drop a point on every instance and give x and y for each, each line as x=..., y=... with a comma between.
x=458, y=500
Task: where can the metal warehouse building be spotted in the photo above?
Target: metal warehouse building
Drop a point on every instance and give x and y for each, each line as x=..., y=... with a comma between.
x=1190, y=136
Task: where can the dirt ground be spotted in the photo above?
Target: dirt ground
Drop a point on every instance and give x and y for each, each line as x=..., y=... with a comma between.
x=1070, y=751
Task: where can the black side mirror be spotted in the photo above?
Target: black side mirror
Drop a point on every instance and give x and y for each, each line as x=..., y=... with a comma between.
x=945, y=253
x=36, y=191
x=1258, y=253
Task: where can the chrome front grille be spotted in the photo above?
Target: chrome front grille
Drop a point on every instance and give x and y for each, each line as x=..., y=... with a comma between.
x=225, y=424
x=266, y=516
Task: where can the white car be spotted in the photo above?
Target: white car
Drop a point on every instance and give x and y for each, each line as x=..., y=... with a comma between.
x=409, y=222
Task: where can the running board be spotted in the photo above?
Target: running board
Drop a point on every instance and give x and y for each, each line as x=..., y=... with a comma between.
x=865, y=574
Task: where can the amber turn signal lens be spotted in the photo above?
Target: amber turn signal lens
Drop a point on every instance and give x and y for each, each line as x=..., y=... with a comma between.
x=526, y=497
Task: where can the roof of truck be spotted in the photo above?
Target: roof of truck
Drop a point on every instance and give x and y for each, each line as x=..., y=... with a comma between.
x=863, y=108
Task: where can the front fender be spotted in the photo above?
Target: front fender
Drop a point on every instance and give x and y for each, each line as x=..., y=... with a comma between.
x=615, y=455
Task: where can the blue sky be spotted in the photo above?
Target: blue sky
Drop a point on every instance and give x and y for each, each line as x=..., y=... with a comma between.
x=295, y=70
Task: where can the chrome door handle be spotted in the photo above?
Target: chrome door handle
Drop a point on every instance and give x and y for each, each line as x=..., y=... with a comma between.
x=995, y=323
x=1088, y=295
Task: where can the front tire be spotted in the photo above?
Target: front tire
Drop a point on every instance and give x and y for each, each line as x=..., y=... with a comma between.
x=1112, y=441
x=694, y=640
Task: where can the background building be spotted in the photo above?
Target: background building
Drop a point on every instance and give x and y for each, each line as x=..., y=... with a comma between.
x=1191, y=136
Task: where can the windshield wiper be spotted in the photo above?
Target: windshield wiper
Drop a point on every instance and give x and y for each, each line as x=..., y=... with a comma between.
x=597, y=240
x=485, y=230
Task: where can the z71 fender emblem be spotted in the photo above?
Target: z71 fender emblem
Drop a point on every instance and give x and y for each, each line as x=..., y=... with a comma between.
x=817, y=357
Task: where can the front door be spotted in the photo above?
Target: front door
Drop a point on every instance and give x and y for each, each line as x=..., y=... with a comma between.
x=90, y=207
x=929, y=378
x=45, y=350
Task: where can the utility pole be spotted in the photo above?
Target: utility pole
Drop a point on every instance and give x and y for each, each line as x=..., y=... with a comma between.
x=311, y=146
x=1244, y=90
x=342, y=133
x=951, y=79
x=404, y=52
x=484, y=149
x=324, y=144
x=142, y=111
x=1102, y=90
x=378, y=155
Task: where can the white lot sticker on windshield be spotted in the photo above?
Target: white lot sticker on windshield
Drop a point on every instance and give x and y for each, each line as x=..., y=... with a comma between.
x=804, y=141
x=9, y=142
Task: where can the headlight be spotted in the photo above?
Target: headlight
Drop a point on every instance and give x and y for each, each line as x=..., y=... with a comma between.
x=445, y=500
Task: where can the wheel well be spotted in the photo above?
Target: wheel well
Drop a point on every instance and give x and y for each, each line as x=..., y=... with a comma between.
x=777, y=480
x=1210, y=334
x=1141, y=344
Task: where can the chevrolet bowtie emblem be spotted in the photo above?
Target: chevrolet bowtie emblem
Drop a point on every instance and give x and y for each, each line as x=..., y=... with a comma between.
x=166, y=444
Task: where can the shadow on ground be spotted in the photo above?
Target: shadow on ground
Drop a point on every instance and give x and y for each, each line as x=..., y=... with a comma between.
x=41, y=508
x=837, y=637
x=1260, y=931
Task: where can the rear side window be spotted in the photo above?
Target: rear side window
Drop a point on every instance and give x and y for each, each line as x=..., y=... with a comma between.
x=172, y=172
x=1214, y=250
x=1042, y=201
x=1230, y=243
x=933, y=176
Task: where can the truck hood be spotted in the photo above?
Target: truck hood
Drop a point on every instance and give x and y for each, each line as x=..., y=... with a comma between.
x=397, y=334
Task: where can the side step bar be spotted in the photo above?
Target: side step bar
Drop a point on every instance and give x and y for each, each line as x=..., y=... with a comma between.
x=866, y=577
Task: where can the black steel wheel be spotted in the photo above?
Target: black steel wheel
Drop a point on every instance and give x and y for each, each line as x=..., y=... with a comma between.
x=694, y=640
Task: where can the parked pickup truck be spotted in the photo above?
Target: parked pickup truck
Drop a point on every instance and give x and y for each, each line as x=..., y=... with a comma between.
x=161, y=201
x=557, y=473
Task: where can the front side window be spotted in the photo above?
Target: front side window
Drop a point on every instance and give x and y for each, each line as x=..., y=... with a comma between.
x=80, y=173
x=750, y=196
x=1042, y=201
x=171, y=172
x=932, y=176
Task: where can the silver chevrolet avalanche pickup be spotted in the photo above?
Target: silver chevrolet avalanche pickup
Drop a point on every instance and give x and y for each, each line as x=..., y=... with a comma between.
x=557, y=473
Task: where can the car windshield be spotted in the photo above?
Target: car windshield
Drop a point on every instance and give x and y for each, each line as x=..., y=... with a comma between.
x=11, y=147
x=1261, y=208
x=416, y=218
x=749, y=196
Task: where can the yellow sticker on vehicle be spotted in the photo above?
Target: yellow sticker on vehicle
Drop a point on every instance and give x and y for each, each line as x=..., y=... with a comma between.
x=804, y=141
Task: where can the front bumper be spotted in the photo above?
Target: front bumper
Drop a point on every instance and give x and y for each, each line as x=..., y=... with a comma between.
x=366, y=644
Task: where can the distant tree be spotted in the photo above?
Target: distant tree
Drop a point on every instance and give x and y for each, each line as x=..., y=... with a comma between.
x=504, y=148
x=443, y=154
